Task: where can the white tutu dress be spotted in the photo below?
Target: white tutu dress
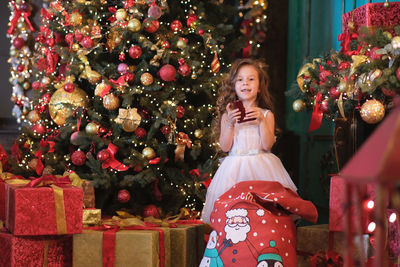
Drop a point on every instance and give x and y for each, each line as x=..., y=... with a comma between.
x=246, y=161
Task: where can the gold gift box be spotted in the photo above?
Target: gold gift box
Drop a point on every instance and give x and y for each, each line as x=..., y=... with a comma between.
x=91, y=217
x=187, y=245
x=134, y=248
x=315, y=238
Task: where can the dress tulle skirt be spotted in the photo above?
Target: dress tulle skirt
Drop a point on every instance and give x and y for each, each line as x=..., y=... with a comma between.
x=234, y=169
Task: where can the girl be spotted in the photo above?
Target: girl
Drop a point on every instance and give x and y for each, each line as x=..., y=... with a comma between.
x=248, y=143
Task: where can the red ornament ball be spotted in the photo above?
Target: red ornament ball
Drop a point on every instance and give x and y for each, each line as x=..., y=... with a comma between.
x=40, y=108
x=78, y=158
x=36, y=85
x=200, y=32
x=46, y=98
x=192, y=18
x=165, y=129
x=140, y=132
x=129, y=77
x=334, y=93
x=176, y=25
x=184, y=70
x=180, y=112
x=69, y=87
x=146, y=79
x=78, y=35
x=398, y=73
x=20, y=68
x=18, y=42
x=123, y=196
x=38, y=128
x=135, y=51
x=168, y=73
x=74, y=138
x=324, y=107
x=151, y=26
x=151, y=210
x=104, y=155
x=87, y=42
x=154, y=12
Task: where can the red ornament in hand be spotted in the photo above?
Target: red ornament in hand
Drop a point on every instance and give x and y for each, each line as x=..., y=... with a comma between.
x=151, y=210
x=103, y=155
x=78, y=158
x=123, y=196
x=168, y=73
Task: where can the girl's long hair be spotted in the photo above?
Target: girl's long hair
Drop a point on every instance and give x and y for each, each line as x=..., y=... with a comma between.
x=227, y=93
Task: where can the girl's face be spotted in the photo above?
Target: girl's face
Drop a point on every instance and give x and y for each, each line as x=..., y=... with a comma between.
x=247, y=83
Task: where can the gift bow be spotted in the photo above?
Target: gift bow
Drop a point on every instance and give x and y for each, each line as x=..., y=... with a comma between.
x=17, y=14
x=112, y=162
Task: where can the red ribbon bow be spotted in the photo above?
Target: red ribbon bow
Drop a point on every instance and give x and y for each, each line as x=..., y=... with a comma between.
x=345, y=39
x=112, y=10
x=17, y=14
x=112, y=162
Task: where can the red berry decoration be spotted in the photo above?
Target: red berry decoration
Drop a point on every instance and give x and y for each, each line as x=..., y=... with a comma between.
x=18, y=42
x=87, y=42
x=180, y=112
x=140, y=132
x=176, y=25
x=135, y=51
x=46, y=98
x=168, y=73
x=103, y=155
x=78, y=158
x=151, y=26
x=151, y=210
x=69, y=87
x=123, y=196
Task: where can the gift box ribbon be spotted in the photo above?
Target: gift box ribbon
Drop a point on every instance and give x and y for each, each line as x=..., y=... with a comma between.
x=56, y=183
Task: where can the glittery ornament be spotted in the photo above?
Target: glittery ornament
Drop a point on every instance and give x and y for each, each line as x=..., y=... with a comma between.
x=334, y=93
x=129, y=119
x=121, y=14
x=123, y=196
x=78, y=158
x=180, y=112
x=111, y=102
x=372, y=111
x=154, y=12
x=165, y=44
x=198, y=133
x=92, y=128
x=63, y=104
x=33, y=116
x=215, y=65
x=151, y=211
x=176, y=25
x=103, y=155
x=75, y=18
x=168, y=73
x=102, y=89
x=324, y=107
x=140, y=133
x=148, y=153
x=146, y=79
x=184, y=69
x=122, y=68
x=298, y=105
x=135, y=51
x=45, y=98
x=87, y=42
x=151, y=26
x=134, y=25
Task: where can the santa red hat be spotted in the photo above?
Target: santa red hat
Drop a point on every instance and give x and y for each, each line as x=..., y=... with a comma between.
x=236, y=213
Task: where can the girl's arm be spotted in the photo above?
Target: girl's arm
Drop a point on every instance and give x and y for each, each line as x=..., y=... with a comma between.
x=266, y=127
x=227, y=124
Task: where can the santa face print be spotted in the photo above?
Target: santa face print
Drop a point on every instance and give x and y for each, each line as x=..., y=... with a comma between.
x=236, y=229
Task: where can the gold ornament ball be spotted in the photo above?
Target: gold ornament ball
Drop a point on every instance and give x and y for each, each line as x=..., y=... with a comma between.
x=92, y=128
x=111, y=102
x=146, y=79
x=21, y=79
x=198, y=133
x=388, y=35
x=75, y=19
x=100, y=88
x=21, y=26
x=299, y=105
x=396, y=42
x=372, y=111
x=129, y=125
x=121, y=14
x=134, y=25
x=33, y=116
x=26, y=85
x=75, y=47
x=194, y=76
x=181, y=44
x=63, y=104
x=148, y=153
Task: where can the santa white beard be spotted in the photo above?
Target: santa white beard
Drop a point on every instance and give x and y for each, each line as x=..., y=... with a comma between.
x=237, y=234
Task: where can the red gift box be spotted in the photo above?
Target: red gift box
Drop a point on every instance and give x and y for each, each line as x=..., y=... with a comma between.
x=373, y=15
x=32, y=251
x=338, y=206
x=43, y=211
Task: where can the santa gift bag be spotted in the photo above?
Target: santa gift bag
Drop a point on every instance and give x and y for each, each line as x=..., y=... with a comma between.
x=253, y=227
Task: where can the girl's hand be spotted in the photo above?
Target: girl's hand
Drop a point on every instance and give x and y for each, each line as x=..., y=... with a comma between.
x=254, y=113
x=233, y=115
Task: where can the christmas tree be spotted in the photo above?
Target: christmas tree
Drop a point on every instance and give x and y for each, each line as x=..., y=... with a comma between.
x=124, y=94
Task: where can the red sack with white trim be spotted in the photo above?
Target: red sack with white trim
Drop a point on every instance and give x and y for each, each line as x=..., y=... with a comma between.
x=253, y=227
